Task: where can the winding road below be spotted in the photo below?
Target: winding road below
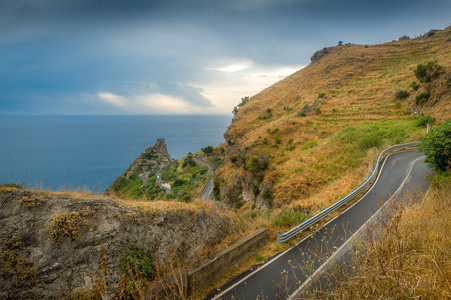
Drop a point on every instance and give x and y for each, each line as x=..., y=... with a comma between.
x=207, y=193
x=282, y=275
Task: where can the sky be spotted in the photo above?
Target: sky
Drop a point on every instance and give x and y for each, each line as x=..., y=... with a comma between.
x=125, y=57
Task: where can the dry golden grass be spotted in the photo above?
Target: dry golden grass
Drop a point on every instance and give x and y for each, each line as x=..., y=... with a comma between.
x=412, y=259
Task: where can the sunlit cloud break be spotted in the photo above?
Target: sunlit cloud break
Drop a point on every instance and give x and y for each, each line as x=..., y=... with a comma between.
x=154, y=103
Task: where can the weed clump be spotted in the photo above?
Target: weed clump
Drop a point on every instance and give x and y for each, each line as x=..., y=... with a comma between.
x=66, y=226
x=290, y=218
x=15, y=266
x=31, y=201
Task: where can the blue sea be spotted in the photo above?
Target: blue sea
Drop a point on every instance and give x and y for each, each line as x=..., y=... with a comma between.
x=90, y=152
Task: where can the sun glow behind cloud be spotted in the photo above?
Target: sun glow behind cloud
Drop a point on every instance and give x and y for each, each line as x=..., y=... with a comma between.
x=242, y=79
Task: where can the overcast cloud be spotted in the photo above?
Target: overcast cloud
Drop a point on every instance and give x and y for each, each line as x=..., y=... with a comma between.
x=183, y=57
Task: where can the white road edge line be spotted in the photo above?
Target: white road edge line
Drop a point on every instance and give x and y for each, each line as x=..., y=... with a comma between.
x=283, y=253
x=328, y=261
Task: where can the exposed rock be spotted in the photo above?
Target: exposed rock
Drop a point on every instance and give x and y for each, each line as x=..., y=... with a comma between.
x=67, y=264
x=152, y=159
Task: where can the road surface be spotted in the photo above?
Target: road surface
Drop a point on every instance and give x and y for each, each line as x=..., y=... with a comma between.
x=207, y=193
x=282, y=275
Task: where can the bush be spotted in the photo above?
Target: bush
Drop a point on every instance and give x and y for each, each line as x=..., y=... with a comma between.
x=290, y=147
x=302, y=114
x=321, y=95
x=207, y=150
x=401, y=94
x=66, y=226
x=189, y=161
x=267, y=194
x=422, y=121
x=426, y=72
x=414, y=85
x=421, y=98
x=436, y=145
x=243, y=101
x=136, y=259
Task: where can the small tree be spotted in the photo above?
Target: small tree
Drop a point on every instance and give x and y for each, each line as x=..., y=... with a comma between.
x=426, y=72
x=235, y=110
x=207, y=150
x=437, y=147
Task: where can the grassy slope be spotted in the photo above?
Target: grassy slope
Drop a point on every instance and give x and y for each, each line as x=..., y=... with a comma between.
x=360, y=83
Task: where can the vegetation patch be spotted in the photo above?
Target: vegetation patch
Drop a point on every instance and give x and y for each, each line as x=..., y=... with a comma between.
x=290, y=218
x=31, y=201
x=13, y=265
x=132, y=217
x=66, y=226
x=136, y=260
x=427, y=72
x=422, y=98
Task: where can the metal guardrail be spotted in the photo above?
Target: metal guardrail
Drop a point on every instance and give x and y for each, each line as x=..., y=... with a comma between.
x=285, y=236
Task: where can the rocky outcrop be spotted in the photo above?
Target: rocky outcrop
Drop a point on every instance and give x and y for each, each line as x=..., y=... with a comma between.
x=152, y=159
x=50, y=241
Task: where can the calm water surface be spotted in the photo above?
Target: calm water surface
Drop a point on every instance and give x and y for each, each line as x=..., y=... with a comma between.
x=92, y=151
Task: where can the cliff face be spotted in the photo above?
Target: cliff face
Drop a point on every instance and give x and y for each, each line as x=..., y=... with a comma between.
x=152, y=159
x=50, y=241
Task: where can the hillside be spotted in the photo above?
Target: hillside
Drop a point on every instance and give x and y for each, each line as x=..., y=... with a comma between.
x=312, y=137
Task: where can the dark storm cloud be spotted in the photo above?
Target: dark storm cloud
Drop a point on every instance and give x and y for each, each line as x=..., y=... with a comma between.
x=54, y=52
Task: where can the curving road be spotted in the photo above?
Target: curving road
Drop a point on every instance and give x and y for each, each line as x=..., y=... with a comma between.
x=284, y=274
x=207, y=193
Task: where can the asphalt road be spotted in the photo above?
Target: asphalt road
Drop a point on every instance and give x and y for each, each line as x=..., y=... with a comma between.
x=282, y=275
x=208, y=191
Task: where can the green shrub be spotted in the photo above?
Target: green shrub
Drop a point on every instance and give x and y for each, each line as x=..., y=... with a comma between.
x=260, y=257
x=290, y=147
x=414, y=85
x=150, y=155
x=422, y=121
x=13, y=185
x=421, y=98
x=244, y=101
x=437, y=147
x=207, y=150
x=136, y=260
x=302, y=114
x=427, y=72
x=310, y=144
x=178, y=182
x=267, y=194
x=290, y=218
x=401, y=94
x=321, y=95
x=189, y=162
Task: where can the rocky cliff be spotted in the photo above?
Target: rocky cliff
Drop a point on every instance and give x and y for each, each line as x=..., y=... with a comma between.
x=50, y=241
x=152, y=159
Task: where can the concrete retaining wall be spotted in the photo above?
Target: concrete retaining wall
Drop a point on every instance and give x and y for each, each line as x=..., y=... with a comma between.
x=227, y=258
x=188, y=281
